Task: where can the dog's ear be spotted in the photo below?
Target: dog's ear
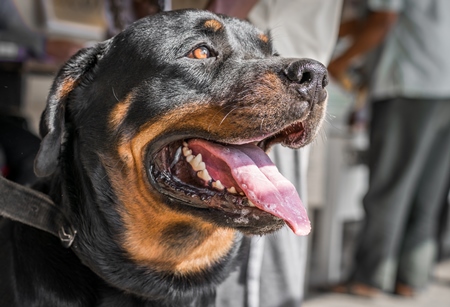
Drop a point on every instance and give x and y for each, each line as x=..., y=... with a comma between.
x=78, y=70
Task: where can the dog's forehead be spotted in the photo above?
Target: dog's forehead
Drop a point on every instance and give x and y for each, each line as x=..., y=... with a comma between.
x=174, y=33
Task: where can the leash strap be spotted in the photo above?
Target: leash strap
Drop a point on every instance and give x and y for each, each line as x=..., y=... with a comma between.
x=34, y=209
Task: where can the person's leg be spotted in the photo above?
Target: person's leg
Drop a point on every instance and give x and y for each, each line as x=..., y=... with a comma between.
x=420, y=245
x=395, y=161
x=283, y=269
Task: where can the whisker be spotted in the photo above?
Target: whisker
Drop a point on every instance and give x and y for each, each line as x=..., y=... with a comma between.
x=242, y=108
x=114, y=93
x=212, y=118
x=223, y=119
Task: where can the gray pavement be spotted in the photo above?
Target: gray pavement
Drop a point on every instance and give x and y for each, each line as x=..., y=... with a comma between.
x=437, y=295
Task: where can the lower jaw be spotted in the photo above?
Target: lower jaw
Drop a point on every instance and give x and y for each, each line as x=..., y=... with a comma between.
x=222, y=209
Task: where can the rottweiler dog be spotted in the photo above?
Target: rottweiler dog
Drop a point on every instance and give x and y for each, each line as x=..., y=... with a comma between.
x=154, y=145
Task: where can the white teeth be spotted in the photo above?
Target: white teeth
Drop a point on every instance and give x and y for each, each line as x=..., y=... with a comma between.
x=200, y=167
x=187, y=151
x=251, y=204
x=204, y=175
x=232, y=190
x=218, y=185
x=189, y=158
x=195, y=163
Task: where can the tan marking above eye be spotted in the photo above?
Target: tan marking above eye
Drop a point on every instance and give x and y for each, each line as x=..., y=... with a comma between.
x=263, y=37
x=213, y=24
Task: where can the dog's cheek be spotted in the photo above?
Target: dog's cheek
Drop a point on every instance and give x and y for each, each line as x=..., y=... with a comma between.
x=168, y=241
x=154, y=235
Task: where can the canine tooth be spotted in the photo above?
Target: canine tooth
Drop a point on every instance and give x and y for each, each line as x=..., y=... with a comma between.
x=198, y=159
x=251, y=204
x=218, y=185
x=185, y=144
x=187, y=151
x=204, y=175
x=195, y=163
x=190, y=158
x=232, y=190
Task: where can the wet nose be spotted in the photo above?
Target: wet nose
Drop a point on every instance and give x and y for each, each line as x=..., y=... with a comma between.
x=309, y=78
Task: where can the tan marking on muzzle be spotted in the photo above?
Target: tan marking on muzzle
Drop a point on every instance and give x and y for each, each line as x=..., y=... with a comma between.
x=119, y=112
x=263, y=37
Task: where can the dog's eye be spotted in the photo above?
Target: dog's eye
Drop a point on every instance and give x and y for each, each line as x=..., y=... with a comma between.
x=201, y=52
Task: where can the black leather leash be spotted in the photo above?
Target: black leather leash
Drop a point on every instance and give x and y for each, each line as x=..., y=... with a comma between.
x=34, y=209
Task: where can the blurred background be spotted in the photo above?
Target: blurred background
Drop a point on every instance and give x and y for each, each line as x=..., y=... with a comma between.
x=337, y=173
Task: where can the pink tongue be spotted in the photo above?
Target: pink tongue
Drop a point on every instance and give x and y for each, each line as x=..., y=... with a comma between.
x=261, y=182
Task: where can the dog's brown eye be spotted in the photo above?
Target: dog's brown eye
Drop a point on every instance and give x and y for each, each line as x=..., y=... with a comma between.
x=200, y=53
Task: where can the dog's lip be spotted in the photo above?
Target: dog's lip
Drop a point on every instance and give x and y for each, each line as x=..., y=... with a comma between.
x=296, y=130
x=293, y=135
x=261, y=139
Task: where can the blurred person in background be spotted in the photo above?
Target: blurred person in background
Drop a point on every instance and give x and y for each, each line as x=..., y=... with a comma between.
x=274, y=273
x=409, y=157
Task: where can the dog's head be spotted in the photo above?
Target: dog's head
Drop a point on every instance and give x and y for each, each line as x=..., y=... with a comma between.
x=165, y=127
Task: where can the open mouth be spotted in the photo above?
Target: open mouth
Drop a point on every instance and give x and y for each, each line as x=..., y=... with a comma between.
x=231, y=178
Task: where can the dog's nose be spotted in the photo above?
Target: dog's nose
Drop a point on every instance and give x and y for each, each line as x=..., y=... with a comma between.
x=309, y=78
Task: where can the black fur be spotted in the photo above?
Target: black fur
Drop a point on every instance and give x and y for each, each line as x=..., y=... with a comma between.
x=80, y=156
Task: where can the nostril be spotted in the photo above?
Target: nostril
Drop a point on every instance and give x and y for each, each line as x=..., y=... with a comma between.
x=306, y=77
x=325, y=80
